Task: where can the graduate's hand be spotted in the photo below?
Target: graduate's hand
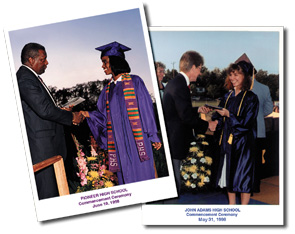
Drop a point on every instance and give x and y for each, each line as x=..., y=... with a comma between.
x=77, y=118
x=223, y=112
x=85, y=114
x=157, y=145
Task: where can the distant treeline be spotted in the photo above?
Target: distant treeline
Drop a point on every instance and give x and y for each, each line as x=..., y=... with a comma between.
x=213, y=82
x=90, y=91
x=209, y=85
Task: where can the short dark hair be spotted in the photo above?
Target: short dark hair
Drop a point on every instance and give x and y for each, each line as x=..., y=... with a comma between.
x=190, y=58
x=119, y=65
x=160, y=64
x=30, y=50
x=247, y=77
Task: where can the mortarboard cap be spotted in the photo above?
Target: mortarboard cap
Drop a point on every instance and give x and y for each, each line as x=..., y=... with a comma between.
x=244, y=62
x=113, y=49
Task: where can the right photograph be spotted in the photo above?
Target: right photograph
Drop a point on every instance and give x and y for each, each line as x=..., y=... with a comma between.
x=221, y=93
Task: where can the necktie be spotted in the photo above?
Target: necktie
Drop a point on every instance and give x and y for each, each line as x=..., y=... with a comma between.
x=47, y=89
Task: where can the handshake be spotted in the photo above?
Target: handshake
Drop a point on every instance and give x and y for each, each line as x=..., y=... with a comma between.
x=78, y=117
x=212, y=124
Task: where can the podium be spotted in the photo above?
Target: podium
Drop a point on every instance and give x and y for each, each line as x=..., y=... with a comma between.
x=59, y=170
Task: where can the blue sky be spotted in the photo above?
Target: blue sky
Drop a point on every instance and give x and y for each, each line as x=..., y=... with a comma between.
x=73, y=59
x=70, y=46
x=219, y=48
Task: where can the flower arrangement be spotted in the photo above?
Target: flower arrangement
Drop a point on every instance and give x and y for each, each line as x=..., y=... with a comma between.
x=92, y=170
x=195, y=170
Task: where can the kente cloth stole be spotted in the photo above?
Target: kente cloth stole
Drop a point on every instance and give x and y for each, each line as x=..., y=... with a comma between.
x=134, y=119
x=230, y=139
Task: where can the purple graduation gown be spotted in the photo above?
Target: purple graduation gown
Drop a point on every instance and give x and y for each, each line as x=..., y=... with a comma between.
x=240, y=154
x=131, y=168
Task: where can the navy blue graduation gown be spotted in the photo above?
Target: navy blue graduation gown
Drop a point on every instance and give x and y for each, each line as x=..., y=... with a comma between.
x=240, y=153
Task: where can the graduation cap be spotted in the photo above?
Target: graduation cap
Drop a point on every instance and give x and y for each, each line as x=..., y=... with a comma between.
x=248, y=66
x=244, y=62
x=113, y=49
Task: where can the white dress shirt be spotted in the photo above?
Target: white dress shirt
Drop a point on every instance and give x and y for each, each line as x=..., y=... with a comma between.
x=186, y=78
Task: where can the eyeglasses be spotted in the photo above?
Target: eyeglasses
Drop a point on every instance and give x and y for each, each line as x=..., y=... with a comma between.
x=201, y=68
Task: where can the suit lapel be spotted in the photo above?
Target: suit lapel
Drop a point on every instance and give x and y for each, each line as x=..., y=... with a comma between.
x=41, y=84
x=183, y=83
x=47, y=89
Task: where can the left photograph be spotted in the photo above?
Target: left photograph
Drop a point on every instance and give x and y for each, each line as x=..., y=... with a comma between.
x=90, y=113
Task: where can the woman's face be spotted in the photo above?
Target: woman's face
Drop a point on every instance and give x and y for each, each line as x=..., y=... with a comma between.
x=106, y=65
x=236, y=78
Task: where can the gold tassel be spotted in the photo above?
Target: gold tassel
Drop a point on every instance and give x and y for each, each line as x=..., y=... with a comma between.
x=263, y=159
x=252, y=83
x=220, y=140
x=230, y=139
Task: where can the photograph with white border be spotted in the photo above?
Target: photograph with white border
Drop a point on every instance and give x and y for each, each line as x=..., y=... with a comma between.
x=72, y=50
x=201, y=199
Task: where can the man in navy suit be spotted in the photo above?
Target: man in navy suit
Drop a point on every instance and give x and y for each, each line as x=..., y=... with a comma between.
x=180, y=117
x=43, y=118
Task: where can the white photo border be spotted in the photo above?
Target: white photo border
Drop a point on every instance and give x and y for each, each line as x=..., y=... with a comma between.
x=185, y=214
x=135, y=193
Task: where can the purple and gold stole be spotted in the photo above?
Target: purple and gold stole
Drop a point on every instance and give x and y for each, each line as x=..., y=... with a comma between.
x=134, y=119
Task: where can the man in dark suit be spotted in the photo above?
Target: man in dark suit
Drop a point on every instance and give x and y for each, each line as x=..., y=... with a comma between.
x=43, y=118
x=180, y=117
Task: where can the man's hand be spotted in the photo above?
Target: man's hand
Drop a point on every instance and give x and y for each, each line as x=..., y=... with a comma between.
x=68, y=108
x=157, y=145
x=77, y=118
x=204, y=109
x=212, y=125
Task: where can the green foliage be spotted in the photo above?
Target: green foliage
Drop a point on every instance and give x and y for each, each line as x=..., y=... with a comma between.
x=213, y=82
x=90, y=91
x=170, y=74
x=272, y=81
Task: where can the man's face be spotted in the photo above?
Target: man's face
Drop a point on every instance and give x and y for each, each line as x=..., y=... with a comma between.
x=39, y=63
x=195, y=71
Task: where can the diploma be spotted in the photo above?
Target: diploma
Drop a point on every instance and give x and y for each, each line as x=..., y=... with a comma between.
x=73, y=102
x=213, y=107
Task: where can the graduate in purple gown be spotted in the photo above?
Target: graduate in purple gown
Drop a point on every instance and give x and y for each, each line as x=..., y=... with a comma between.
x=124, y=122
x=237, y=121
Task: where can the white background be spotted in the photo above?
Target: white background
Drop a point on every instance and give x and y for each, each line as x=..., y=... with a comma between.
x=17, y=206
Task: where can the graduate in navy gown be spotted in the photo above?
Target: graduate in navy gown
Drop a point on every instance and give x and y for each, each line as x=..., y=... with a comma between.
x=237, y=122
x=124, y=122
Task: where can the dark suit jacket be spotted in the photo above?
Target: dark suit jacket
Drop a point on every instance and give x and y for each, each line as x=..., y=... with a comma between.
x=180, y=117
x=44, y=124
